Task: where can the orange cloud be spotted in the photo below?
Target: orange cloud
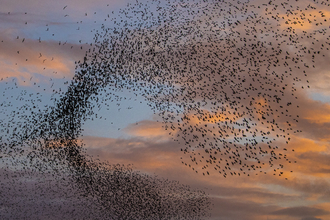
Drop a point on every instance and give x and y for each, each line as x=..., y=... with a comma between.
x=302, y=145
x=301, y=15
x=23, y=60
x=318, y=115
x=148, y=129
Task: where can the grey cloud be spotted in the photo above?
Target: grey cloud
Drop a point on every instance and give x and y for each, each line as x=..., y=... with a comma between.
x=311, y=218
x=301, y=211
x=317, y=158
x=237, y=209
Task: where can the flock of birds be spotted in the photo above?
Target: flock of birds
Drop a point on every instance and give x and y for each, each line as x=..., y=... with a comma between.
x=223, y=76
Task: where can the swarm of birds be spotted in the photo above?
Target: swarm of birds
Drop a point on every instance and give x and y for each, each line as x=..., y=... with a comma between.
x=223, y=76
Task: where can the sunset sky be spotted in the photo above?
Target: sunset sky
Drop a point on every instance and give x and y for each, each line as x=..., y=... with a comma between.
x=40, y=41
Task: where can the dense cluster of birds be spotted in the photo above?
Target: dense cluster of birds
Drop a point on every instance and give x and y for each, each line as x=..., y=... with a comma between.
x=223, y=76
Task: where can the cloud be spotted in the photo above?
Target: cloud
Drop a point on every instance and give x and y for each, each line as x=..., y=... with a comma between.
x=38, y=38
x=148, y=129
x=225, y=208
x=144, y=153
x=230, y=194
x=40, y=195
x=311, y=117
x=30, y=58
x=319, y=114
x=310, y=218
x=305, y=20
x=301, y=211
x=318, y=162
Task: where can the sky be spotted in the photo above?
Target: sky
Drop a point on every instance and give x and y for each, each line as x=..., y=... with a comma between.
x=41, y=41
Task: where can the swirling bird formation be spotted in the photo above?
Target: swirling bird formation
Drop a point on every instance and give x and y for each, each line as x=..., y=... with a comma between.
x=222, y=75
